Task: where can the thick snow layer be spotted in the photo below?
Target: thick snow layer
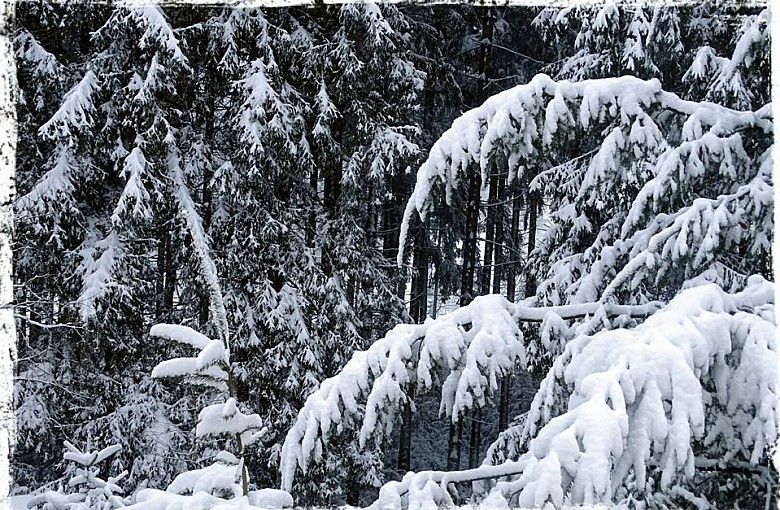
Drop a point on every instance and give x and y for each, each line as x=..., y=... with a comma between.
x=75, y=112
x=637, y=400
x=73, y=454
x=214, y=478
x=154, y=499
x=208, y=368
x=643, y=153
x=208, y=269
x=226, y=419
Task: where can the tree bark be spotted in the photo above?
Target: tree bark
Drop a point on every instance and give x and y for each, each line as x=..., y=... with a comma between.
x=453, y=445
x=405, y=443
x=514, y=244
x=418, y=305
x=498, y=249
x=470, y=243
x=490, y=229
x=533, y=210
x=476, y=429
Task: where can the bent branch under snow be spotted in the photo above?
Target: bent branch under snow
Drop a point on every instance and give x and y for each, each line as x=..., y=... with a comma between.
x=475, y=358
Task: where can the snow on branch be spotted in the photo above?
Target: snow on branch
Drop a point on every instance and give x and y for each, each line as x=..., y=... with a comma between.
x=206, y=264
x=637, y=399
x=636, y=402
x=209, y=368
x=76, y=110
x=44, y=64
x=475, y=345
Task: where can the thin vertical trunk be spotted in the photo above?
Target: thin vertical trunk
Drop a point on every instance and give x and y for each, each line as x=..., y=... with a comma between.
x=490, y=230
x=498, y=249
x=453, y=445
x=311, y=232
x=470, y=243
x=486, y=52
x=418, y=305
x=533, y=210
x=437, y=260
x=503, y=404
x=514, y=245
x=170, y=275
x=207, y=206
x=405, y=446
x=159, y=282
x=476, y=428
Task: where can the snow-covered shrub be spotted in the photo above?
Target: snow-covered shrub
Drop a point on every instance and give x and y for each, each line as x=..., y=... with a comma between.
x=227, y=477
x=90, y=491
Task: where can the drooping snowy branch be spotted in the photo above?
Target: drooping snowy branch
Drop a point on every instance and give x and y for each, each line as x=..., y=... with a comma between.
x=647, y=168
x=627, y=411
x=76, y=111
x=206, y=264
x=639, y=399
x=476, y=345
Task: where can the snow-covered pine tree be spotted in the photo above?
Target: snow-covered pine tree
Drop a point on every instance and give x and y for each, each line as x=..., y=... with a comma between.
x=211, y=368
x=612, y=40
x=653, y=416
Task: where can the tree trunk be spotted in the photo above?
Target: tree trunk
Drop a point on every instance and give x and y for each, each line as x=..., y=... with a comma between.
x=405, y=446
x=476, y=428
x=511, y=272
x=514, y=244
x=503, y=404
x=470, y=243
x=208, y=175
x=418, y=305
x=170, y=275
x=498, y=249
x=314, y=181
x=533, y=210
x=490, y=229
x=453, y=445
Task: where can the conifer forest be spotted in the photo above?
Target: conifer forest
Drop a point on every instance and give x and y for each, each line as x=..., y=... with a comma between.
x=389, y=256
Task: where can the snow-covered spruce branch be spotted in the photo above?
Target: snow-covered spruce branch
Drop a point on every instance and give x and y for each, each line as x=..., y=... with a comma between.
x=643, y=410
x=520, y=122
x=477, y=344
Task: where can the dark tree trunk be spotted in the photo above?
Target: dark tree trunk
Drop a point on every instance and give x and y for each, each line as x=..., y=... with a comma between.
x=208, y=175
x=453, y=445
x=490, y=229
x=513, y=256
x=476, y=428
x=391, y=219
x=314, y=181
x=170, y=275
x=159, y=283
x=514, y=245
x=498, y=249
x=470, y=243
x=418, y=305
x=503, y=404
x=405, y=446
x=533, y=210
